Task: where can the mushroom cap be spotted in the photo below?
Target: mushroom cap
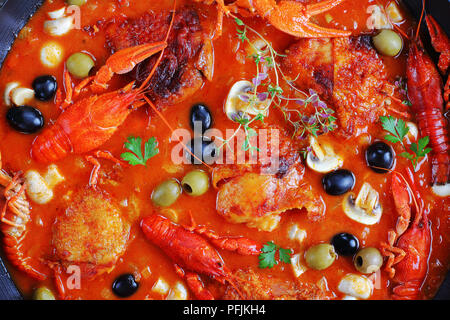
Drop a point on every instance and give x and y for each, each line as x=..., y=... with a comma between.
x=366, y=208
x=237, y=105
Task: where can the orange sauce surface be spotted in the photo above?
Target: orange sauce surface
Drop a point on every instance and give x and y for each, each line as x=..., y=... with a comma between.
x=22, y=65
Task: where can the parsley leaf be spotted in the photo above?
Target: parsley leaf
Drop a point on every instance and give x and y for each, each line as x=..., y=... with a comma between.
x=399, y=130
x=135, y=157
x=285, y=255
x=397, y=127
x=267, y=257
x=239, y=22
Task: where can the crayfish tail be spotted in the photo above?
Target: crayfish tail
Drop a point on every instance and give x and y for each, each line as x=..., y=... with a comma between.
x=407, y=291
x=51, y=145
x=17, y=258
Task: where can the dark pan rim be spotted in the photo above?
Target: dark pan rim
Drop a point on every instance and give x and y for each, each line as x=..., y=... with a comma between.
x=15, y=14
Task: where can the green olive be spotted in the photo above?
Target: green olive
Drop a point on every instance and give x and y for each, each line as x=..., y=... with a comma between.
x=76, y=2
x=166, y=193
x=320, y=256
x=368, y=260
x=43, y=293
x=388, y=43
x=195, y=183
x=80, y=64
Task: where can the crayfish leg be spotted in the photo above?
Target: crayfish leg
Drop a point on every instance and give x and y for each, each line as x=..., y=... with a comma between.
x=394, y=254
x=195, y=284
x=197, y=287
x=292, y=18
x=123, y=61
x=93, y=159
x=240, y=245
x=440, y=43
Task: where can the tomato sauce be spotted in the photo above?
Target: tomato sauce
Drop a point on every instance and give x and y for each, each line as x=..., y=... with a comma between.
x=135, y=183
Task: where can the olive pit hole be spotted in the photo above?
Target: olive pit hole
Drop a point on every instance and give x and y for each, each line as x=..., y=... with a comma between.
x=359, y=261
x=187, y=188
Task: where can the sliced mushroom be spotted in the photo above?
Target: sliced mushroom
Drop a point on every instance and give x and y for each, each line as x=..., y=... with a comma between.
x=57, y=13
x=20, y=96
x=441, y=190
x=240, y=101
x=366, y=208
x=7, y=94
x=322, y=157
x=59, y=27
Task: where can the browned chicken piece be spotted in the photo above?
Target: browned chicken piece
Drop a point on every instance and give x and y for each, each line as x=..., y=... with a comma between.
x=187, y=60
x=310, y=63
x=90, y=233
x=259, y=286
x=347, y=73
x=252, y=195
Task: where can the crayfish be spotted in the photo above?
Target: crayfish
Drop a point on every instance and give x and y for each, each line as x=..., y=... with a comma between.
x=291, y=17
x=14, y=217
x=425, y=93
x=408, y=247
x=193, y=254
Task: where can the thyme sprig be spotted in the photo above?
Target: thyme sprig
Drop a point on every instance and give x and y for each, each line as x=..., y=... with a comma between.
x=402, y=87
x=269, y=93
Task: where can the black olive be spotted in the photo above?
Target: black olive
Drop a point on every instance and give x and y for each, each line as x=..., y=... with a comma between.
x=25, y=119
x=45, y=87
x=125, y=285
x=345, y=244
x=201, y=114
x=338, y=182
x=380, y=155
x=204, y=149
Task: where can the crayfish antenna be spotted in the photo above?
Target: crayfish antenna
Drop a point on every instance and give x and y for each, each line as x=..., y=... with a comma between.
x=235, y=287
x=152, y=72
x=152, y=105
x=420, y=20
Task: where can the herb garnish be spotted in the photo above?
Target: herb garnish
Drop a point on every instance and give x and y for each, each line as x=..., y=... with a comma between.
x=402, y=87
x=264, y=56
x=135, y=157
x=399, y=130
x=267, y=258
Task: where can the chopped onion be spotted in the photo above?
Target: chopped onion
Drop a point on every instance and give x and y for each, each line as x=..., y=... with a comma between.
x=51, y=54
